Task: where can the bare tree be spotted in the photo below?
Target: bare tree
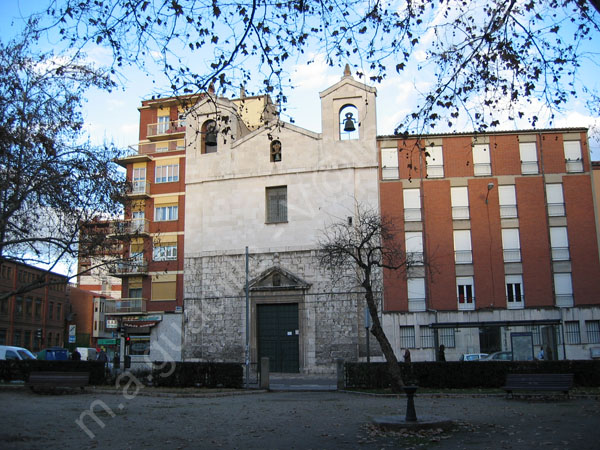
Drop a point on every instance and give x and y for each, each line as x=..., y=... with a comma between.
x=52, y=179
x=482, y=56
x=359, y=249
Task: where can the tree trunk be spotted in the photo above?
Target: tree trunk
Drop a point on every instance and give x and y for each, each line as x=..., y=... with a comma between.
x=386, y=348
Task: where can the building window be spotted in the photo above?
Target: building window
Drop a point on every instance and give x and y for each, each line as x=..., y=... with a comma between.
x=462, y=247
x=276, y=204
x=165, y=213
x=514, y=292
x=163, y=125
x=407, y=337
x=535, y=332
x=51, y=310
x=559, y=242
x=446, y=337
x=466, y=293
x=139, y=185
x=38, y=308
x=17, y=338
x=555, y=199
x=572, y=334
x=412, y=205
x=511, y=246
x=349, y=123
x=275, y=151
x=19, y=307
x=389, y=163
x=427, y=339
x=28, y=307
x=435, y=162
x=2, y=336
x=414, y=247
x=573, y=159
x=59, y=311
x=164, y=252
x=563, y=289
x=460, y=203
x=593, y=331
x=4, y=306
x=482, y=165
x=529, y=162
x=416, y=294
x=167, y=173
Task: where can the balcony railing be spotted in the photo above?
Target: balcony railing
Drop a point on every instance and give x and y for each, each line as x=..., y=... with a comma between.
x=414, y=258
x=129, y=268
x=460, y=212
x=560, y=254
x=389, y=173
x=139, y=187
x=174, y=145
x=416, y=304
x=463, y=256
x=412, y=214
x=574, y=165
x=466, y=304
x=512, y=255
x=515, y=302
x=508, y=211
x=435, y=171
x=482, y=169
x=129, y=227
x=125, y=305
x=529, y=167
x=564, y=300
x=556, y=209
x=162, y=128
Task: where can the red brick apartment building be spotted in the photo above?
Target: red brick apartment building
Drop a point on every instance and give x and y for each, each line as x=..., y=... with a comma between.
x=34, y=319
x=505, y=226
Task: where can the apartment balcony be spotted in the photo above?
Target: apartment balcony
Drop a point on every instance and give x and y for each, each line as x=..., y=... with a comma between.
x=130, y=227
x=482, y=169
x=125, y=306
x=460, y=213
x=564, y=300
x=140, y=188
x=529, y=167
x=435, y=171
x=556, y=209
x=412, y=214
x=131, y=268
x=416, y=304
x=508, y=211
x=162, y=129
x=560, y=254
x=512, y=255
x=463, y=257
x=574, y=165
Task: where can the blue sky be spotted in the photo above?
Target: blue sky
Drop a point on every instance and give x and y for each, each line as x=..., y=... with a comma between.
x=114, y=116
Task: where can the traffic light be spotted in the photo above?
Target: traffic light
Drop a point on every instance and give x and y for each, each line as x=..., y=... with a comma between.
x=38, y=333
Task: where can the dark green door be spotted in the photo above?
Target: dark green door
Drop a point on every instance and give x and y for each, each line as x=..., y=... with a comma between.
x=278, y=336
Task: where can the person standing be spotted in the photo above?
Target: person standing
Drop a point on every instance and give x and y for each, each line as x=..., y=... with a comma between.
x=541, y=353
x=407, y=356
x=441, y=353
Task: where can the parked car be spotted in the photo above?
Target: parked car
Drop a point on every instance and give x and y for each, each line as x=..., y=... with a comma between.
x=11, y=352
x=54, y=354
x=472, y=356
x=498, y=356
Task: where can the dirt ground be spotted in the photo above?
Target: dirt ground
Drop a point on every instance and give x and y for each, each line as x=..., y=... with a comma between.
x=288, y=420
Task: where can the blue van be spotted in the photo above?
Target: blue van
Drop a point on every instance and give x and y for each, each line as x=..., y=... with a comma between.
x=54, y=354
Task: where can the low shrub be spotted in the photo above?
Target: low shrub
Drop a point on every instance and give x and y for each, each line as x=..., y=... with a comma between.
x=467, y=374
x=197, y=374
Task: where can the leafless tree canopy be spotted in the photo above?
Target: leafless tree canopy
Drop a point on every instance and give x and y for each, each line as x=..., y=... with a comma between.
x=51, y=179
x=483, y=56
x=360, y=247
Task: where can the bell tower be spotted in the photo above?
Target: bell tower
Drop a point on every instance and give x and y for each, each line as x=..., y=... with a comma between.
x=348, y=110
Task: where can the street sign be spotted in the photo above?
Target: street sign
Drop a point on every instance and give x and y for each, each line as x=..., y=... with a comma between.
x=112, y=323
x=71, y=339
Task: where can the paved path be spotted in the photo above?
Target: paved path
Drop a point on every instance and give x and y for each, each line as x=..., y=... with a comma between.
x=287, y=420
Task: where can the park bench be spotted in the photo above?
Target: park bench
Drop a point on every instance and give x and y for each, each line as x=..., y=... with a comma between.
x=561, y=382
x=50, y=381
